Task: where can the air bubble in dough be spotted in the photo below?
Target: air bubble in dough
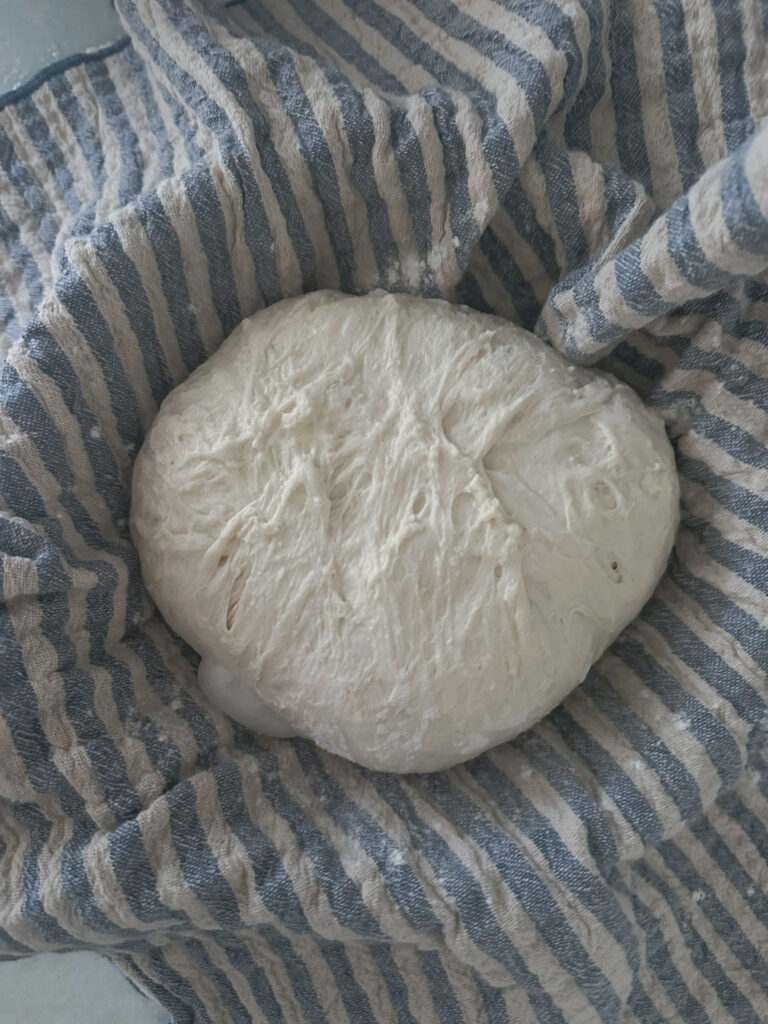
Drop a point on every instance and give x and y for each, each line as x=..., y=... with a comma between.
x=399, y=527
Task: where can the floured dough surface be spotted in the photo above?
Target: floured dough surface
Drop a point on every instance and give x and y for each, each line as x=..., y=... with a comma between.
x=399, y=527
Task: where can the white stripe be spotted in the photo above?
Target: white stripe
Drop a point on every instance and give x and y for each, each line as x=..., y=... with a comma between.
x=177, y=47
x=753, y=39
x=28, y=226
x=617, y=748
x=372, y=43
x=16, y=844
x=701, y=30
x=181, y=960
x=85, y=259
x=694, y=906
x=239, y=982
x=138, y=249
x=597, y=941
x=666, y=183
x=170, y=885
x=330, y=119
x=731, y=586
x=390, y=188
x=508, y=912
x=441, y=259
x=181, y=217
x=675, y=943
x=74, y=160
x=707, y=220
x=109, y=145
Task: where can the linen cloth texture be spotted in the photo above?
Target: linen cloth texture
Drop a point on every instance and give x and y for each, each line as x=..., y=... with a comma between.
x=595, y=170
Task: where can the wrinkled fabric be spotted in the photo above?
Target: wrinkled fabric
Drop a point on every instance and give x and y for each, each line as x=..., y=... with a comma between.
x=595, y=171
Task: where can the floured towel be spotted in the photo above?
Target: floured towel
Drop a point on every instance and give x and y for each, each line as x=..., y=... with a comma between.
x=595, y=170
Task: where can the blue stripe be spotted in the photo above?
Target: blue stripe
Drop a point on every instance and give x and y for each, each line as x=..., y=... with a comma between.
x=29, y=191
x=563, y=775
x=127, y=282
x=212, y=229
x=657, y=953
x=90, y=148
x=333, y=34
x=463, y=225
x=524, y=67
x=224, y=988
x=343, y=896
x=188, y=1006
x=730, y=617
x=301, y=982
x=165, y=244
x=702, y=724
x=78, y=300
x=558, y=177
x=684, y=248
x=180, y=118
x=394, y=981
x=670, y=770
x=493, y=1001
x=751, y=566
x=525, y=302
x=731, y=867
x=406, y=148
x=443, y=996
x=400, y=880
x=273, y=882
x=9, y=317
x=734, y=97
x=196, y=859
x=610, y=776
x=33, y=910
x=498, y=146
x=131, y=160
x=319, y=160
x=642, y=1007
x=526, y=884
x=166, y=997
x=358, y=127
x=50, y=153
x=722, y=923
x=681, y=99
x=242, y=960
x=464, y=893
x=256, y=226
x=355, y=1001
x=583, y=884
x=625, y=90
x=738, y=500
x=578, y=133
x=21, y=257
x=130, y=863
x=143, y=86
x=468, y=291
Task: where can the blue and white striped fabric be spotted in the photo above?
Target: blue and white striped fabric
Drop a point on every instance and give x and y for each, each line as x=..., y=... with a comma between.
x=596, y=170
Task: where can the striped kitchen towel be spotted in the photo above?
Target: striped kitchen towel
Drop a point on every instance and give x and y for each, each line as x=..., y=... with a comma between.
x=596, y=170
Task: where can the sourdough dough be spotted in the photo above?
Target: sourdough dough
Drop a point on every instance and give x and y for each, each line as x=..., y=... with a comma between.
x=399, y=527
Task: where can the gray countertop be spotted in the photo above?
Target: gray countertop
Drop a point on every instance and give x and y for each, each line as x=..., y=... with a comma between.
x=72, y=988
x=41, y=32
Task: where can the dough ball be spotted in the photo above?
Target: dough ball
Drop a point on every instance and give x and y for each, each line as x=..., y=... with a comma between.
x=405, y=528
